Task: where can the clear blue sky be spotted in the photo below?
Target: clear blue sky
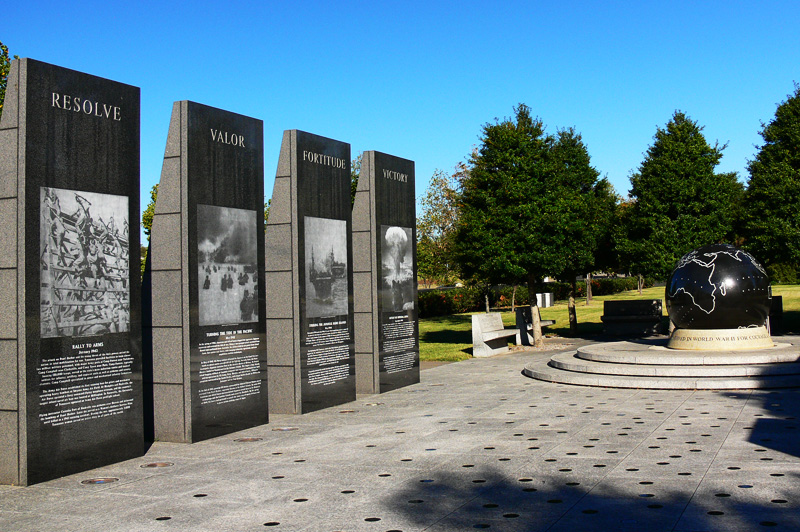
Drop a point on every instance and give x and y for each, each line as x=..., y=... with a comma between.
x=419, y=79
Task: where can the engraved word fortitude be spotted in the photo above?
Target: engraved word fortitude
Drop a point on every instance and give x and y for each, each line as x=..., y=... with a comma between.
x=227, y=138
x=88, y=107
x=327, y=160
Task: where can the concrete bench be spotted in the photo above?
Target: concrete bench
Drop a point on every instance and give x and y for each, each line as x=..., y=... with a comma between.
x=488, y=335
x=632, y=317
x=525, y=323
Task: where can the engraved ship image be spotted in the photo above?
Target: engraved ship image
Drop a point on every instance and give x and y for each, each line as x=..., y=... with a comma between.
x=322, y=280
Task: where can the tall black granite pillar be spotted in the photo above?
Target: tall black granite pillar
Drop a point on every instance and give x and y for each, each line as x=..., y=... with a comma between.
x=310, y=277
x=70, y=333
x=205, y=278
x=385, y=274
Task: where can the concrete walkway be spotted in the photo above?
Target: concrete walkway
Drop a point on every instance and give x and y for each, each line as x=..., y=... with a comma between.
x=475, y=445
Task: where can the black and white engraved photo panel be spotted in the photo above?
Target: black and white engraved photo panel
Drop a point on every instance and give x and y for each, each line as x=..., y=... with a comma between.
x=326, y=267
x=84, y=263
x=227, y=265
x=398, y=268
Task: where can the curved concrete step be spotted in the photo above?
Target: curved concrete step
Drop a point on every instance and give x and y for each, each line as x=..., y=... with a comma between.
x=656, y=353
x=542, y=371
x=572, y=362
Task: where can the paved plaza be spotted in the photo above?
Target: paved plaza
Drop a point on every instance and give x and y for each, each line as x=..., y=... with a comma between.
x=474, y=445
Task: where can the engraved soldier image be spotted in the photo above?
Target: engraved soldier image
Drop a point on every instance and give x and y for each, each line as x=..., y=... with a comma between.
x=226, y=259
x=84, y=263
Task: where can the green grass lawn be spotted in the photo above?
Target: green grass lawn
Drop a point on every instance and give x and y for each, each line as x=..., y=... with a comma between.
x=450, y=337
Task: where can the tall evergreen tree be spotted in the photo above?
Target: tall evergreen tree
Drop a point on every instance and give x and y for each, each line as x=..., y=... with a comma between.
x=771, y=210
x=677, y=202
x=528, y=206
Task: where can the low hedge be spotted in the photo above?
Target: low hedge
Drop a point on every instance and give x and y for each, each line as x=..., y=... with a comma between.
x=443, y=302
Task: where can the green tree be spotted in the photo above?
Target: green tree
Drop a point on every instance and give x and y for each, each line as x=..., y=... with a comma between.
x=511, y=222
x=677, y=202
x=355, y=171
x=584, y=204
x=436, y=226
x=5, y=68
x=147, y=222
x=771, y=210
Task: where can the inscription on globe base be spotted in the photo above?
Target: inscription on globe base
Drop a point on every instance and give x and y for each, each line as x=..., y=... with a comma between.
x=716, y=339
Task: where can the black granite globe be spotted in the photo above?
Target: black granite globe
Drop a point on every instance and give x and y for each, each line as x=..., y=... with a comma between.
x=718, y=287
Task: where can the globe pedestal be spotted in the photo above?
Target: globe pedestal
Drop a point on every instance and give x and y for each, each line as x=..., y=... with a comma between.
x=720, y=339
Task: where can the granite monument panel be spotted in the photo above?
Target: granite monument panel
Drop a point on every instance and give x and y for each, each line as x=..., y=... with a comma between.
x=384, y=223
x=206, y=363
x=69, y=145
x=309, y=275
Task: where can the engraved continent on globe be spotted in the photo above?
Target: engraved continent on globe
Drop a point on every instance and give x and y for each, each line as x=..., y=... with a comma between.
x=718, y=287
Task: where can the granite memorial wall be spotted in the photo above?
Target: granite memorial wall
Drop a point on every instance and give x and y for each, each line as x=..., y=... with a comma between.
x=385, y=273
x=70, y=334
x=205, y=343
x=309, y=277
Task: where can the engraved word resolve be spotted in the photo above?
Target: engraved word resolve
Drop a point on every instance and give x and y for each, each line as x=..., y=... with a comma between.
x=87, y=107
x=224, y=137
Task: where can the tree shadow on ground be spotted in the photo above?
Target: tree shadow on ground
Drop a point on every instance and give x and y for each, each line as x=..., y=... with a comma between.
x=488, y=498
x=777, y=427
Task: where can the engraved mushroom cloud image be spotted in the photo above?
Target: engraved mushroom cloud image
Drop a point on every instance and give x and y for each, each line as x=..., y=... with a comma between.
x=398, y=268
x=718, y=296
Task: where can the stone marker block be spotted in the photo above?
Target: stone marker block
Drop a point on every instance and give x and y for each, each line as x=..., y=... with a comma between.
x=69, y=279
x=384, y=225
x=205, y=278
x=309, y=231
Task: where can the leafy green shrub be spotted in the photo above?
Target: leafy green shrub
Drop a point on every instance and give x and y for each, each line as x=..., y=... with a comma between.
x=782, y=274
x=471, y=298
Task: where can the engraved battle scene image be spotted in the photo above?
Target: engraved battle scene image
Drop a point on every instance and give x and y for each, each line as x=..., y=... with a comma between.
x=398, y=268
x=326, y=267
x=84, y=263
x=227, y=263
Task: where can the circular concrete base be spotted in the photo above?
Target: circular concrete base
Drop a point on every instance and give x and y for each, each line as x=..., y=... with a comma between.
x=649, y=364
x=720, y=339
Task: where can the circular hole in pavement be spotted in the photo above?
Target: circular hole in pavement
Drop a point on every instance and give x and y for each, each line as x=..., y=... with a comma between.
x=163, y=518
x=415, y=501
x=158, y=464
x=776, y=474
x=768, y=523
x=300, y=500
x=200, y=495
x=654, y=506
x=645, y=482
x=646, y=495
x=779, y=501
x=504, y=459
x=529, y=490
x=573, y=484
x=685, y=474
x=599, y=465
x=662, y=463
x=278, y=477
x=565, y=470
x=372, y=519
x=745, y=486
x=100, y=480
x=632, y=469
x=490, y=505
x=555, y=501
x=480, y=525
x=385, y=475
x=510, y=515
x=347, y=492
x=272, y=523
x=300, y=461
x=478, y=481
x=722, y=495
x=590, y=512
x=715, y=512
x=406, y=460
x=734, y=468
x=426, y=480
x=549, y=459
